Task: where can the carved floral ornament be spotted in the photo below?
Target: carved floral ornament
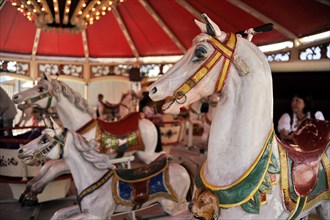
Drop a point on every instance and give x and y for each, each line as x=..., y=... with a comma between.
x=108, y=70
x=20, y=68
x=71, y=15
x=62, y=69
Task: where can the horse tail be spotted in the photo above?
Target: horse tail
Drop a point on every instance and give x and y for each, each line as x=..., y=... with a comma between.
x=192, y=178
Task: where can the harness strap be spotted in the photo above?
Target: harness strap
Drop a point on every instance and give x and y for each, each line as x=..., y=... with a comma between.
x=221, y=49
x=42, y=96
x=58, y=139
x=227, y=50
x=90, y=189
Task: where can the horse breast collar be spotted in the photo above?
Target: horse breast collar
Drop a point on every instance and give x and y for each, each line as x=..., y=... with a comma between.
x=252, y=186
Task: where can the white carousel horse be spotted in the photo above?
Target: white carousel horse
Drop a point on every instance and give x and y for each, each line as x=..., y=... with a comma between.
x=197, y=111
x=242, y=134
x=102, y=189
x=126, y=105
x=29, y=110
x=200, y=118
x=75, y=114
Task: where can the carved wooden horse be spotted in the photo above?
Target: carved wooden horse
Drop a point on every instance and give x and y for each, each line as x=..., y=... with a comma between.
x=242, y=169
x=102, y=189
x=76, y=115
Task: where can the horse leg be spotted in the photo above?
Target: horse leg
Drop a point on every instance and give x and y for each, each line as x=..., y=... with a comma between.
x=173, y=208
x=53, y=169
x=43, y=171
x=65, y=213
x=180, y=182
x=323, y=210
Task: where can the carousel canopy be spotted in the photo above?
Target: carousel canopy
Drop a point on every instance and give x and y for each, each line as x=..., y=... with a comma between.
x=143, y=28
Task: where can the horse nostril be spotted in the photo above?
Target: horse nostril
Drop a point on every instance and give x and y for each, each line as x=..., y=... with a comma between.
x=15, y=96
x=154, y=90
x=20, y=151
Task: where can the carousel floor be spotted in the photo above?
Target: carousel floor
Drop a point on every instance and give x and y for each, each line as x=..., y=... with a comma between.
x=10, y=209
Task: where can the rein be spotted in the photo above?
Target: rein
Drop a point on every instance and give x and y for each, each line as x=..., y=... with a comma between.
x=221, y=49
x=57, y=139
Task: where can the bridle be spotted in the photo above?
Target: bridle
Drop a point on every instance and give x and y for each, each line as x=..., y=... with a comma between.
x=226, y=50
x=42, y=96
x=57, y=139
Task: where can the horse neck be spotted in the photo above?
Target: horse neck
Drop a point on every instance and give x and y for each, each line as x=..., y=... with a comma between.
x=84, y=173
x=71, y=117
x=240, y=126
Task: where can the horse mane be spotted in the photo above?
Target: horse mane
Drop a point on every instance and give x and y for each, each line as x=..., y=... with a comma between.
x=73, y=96
x=88, y=150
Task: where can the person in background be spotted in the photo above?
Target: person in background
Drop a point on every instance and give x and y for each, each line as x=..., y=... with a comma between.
x=7, y=113
x=100, y=110
x=302, y=108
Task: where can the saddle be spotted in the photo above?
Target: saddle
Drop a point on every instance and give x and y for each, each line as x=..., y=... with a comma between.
x=145, y=171
x=139, y=178
x=309, y=142
x=124, y=126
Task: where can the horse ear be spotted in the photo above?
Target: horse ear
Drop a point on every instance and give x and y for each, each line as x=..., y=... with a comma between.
x=211, y=27
x=46, y=76
x=201, y=26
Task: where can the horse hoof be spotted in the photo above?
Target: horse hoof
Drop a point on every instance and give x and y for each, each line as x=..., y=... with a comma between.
x=21, y=198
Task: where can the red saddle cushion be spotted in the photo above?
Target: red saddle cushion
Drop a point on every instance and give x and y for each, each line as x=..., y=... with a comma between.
x=124, y=126
x=309, y=142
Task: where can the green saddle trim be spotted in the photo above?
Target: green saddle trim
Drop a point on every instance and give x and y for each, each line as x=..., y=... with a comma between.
x=301, y=201
x=246, y=191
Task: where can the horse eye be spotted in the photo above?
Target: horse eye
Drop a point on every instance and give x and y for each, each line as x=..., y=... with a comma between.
x=40, y=89
x=44, y=140
x=200, y=52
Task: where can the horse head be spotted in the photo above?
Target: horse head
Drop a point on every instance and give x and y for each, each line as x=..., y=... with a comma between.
x=39, y=96
x=216, y=62
x=49, y=145
x=205, y=204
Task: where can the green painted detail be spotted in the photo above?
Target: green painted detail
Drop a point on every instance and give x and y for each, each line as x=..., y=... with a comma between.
x=132, y=139
x=266, y=186
x=243, y=190
x=299, y=208
x=112, y=142
x=274, y=166
x=109, y=141
x=253, y=205
x=321, y=184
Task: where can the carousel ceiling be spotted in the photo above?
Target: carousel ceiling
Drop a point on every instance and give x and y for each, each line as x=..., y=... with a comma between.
x=142, y=28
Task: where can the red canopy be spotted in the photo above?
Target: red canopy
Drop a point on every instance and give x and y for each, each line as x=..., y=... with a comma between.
x=164, y=27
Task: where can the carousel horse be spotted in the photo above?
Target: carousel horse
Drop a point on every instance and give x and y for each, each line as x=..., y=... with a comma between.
x=203, y=109
x=242, y=174
x=132, y=134
x=116, y=111
x=102, y=188
x=201, y=114
x=29, y=111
